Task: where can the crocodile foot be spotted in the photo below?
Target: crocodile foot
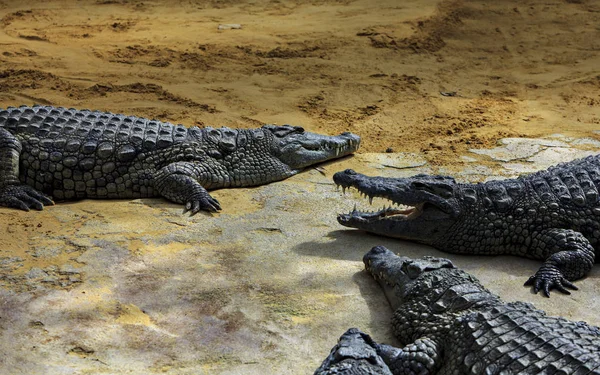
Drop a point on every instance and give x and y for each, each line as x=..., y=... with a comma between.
x=23, y=197
x=204, y=202
x=549, y=277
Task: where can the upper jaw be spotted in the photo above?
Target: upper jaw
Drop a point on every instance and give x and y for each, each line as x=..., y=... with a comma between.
x=336, y=146
x=382, y=263
x=307, y=148
x=410, y=204
x=386, y=268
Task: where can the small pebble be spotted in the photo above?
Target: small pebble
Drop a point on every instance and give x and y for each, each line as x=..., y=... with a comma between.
x=229, y=26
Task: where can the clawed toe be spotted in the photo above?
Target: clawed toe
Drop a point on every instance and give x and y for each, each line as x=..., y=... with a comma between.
x=23, y=197
x=545, y=280
x=206, y=203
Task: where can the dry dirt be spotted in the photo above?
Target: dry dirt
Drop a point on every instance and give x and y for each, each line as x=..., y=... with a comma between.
x=425, y=76
x=515, y=68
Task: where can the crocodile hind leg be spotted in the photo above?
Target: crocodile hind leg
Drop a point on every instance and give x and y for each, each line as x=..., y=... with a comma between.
x=13, y=193
x=178, y=182
x=569, y=256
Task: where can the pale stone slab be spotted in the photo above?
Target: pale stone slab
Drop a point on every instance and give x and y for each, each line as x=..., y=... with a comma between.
x=264, y=287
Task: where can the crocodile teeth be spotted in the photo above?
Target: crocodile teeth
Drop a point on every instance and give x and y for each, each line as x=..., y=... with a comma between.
x=321, y=170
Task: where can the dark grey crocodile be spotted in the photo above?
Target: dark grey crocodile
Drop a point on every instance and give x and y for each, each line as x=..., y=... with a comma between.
x=74, y=154
x=552, y=215
x=354, y=354
x=451, y=324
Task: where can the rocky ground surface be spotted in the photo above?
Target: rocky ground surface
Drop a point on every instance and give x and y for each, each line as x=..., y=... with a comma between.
x=265, y=287
x=467, y=87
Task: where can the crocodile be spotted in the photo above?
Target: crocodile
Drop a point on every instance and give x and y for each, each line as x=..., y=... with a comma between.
x=448, y=323
x=68, y=154
x=354, y=354
x=551, y=215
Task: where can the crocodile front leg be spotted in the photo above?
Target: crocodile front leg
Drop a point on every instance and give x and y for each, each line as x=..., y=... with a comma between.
x=569, y=256
x=422, y=357
x=13, y=193
x=181, y=182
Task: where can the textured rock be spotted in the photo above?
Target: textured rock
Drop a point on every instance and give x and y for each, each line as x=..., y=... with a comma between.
x=228, y=293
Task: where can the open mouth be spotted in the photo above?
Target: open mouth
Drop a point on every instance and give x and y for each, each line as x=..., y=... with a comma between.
x=404, y=202
x=402, y=212
x=391, y=209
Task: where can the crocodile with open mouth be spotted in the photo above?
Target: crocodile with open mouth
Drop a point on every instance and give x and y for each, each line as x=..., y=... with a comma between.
x=551, y=215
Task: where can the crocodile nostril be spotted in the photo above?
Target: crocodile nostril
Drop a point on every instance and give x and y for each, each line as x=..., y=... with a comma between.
x=378, y=249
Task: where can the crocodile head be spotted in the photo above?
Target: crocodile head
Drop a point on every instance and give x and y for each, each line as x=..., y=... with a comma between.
x=428, y=286
x=251, y=157
x=426, y=206
x=403, y=278
x=355, y=353
x=299, y=149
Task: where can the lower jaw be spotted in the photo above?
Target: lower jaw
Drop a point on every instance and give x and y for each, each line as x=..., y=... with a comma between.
x=373, y=217
x=361, y=222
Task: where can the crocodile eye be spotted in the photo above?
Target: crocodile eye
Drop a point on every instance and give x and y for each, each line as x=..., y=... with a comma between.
x=414, y=270
x=446, y=194
x=419, y=185
x=404, y=266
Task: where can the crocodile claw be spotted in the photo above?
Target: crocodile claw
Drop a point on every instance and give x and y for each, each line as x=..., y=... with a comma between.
x=549, y=277
x=206, y=203
x=23, y=197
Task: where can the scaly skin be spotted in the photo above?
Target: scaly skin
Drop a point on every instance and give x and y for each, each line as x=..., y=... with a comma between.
x=354, y=354
x=74, y=154
x=552, y=215
x=451, y=325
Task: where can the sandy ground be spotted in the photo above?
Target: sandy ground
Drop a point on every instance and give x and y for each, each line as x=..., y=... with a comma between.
x=518, y=68
x=428, y=77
